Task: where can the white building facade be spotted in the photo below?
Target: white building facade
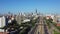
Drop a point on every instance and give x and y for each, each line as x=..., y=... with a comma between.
x=2, y=21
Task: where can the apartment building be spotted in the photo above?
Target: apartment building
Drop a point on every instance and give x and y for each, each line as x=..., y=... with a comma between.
x=2, y=24
x=2, y=21
x=57, y=19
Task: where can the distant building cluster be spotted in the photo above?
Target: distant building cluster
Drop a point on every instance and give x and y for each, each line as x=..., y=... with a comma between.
x=20, y=17
x=56, y=18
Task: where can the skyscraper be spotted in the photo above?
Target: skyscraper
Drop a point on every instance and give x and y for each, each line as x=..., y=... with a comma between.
x=2, y=21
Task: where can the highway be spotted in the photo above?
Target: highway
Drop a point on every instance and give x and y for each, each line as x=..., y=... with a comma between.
x=45, y=28
x=42, y=27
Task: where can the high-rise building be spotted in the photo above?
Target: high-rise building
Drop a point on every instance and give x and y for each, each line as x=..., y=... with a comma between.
x=2, y=21
x=18, y=18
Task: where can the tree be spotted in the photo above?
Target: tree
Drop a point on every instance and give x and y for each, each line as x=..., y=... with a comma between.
x=13, y=26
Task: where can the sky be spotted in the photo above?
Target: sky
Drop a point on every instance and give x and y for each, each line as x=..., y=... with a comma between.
x=42, y=6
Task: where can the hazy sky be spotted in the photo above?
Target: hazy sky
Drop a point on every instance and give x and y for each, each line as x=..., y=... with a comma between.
x=43, y=6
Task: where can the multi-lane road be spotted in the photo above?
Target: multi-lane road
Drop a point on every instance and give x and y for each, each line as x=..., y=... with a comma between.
x=42, y=27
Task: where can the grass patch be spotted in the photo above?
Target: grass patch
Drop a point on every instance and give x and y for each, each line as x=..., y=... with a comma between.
x=55, y=32
x=58, y=27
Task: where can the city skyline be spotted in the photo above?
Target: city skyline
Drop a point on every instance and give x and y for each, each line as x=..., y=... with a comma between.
x=43, y=6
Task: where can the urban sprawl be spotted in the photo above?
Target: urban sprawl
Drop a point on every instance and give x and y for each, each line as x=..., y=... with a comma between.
x=29, y=23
